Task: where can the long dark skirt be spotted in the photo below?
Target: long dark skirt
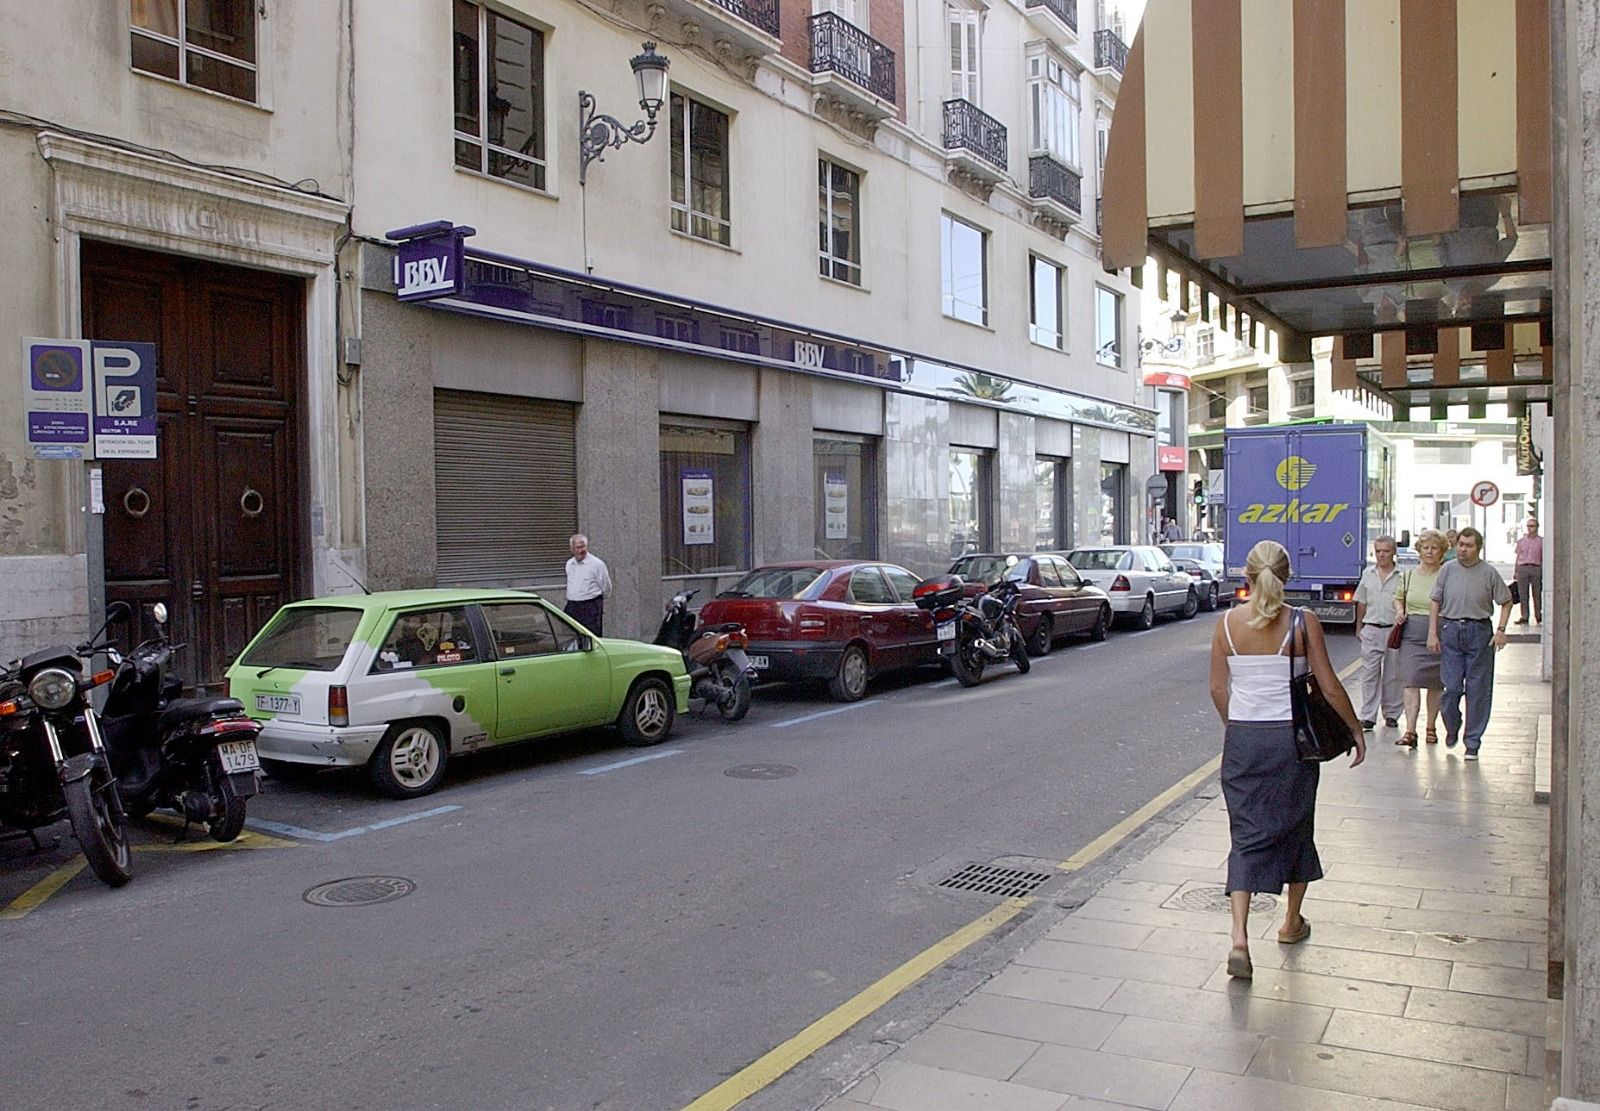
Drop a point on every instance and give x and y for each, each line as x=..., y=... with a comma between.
x=1272, y=803
x=1418, y=666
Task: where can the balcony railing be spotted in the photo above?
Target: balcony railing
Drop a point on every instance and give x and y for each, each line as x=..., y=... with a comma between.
x=1065, y=10
x=839, y=46
x=967, y=127
x=1050, y=180
x=1110, y=52
x=762, y=14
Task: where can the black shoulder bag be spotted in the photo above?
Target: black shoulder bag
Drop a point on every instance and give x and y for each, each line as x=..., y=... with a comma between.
x=1319, y=732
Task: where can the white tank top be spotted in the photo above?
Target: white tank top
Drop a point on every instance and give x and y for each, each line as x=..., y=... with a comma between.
x=1258, y=685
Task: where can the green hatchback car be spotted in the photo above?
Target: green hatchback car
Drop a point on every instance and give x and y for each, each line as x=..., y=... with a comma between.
x=400, y=682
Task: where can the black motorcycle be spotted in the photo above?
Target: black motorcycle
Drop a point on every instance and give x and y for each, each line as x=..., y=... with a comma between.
x=719, y=670
x=975, y=631
x=195, y=756
x=54, y=762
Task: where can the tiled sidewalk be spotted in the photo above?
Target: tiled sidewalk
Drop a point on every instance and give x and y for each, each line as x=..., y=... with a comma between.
x=1422, y=985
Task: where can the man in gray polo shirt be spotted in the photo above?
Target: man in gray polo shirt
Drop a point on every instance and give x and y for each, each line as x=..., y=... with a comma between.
x=1459, y=629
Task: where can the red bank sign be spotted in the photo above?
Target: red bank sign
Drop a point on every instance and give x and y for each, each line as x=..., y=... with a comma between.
x=1166, y=379
x=1170, y=459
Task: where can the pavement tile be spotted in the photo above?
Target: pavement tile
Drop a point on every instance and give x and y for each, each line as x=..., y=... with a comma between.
x=1031, y=1019
x=1318, y=991
x=842, y=1104
x=1503, y=905
x=1206, y=947
x=1199, y=858
x=903, y=1086
x=1106, y=1076
x=1179, y=1043
x=1490, y=926
x=1157, y=871
x=1526, y=1093
x=1517, y=983
x=1120, y=910
x=1214, y=1091
x=1356, y=965
x=1349, y=914
x=1123, y=964
x=974, y=1052
x=1427, y=1083
x=1139, y=891
x=1367, y=939
x=1488, y=1012
x=1530, y=887
x=1534, y=1065
x=1338, y=891
x=1097, y=931
x=1428, y=1041
x=1216, y=1010
x=1047, y=985
x=1080, y=1103
x=1485, y=883
x=1476, y=950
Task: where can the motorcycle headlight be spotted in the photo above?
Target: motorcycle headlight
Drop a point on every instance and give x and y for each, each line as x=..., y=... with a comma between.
x=53, y=689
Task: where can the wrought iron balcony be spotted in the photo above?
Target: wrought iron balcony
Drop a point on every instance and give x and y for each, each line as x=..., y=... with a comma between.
x=762, y=14
x=968, y=128
x=1064, y=10
x=840, y=47
x=1110, y=52
x=1049, y=180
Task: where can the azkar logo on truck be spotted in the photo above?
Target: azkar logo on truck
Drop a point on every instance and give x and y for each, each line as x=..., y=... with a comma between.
x=1293, y=474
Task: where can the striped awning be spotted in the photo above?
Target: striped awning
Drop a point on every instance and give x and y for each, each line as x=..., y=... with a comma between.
x=1374, y=170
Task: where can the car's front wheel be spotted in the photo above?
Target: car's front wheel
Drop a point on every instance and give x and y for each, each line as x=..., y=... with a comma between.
x=648, y=713
x=1044, y=636
x=410, y=760
x=1102, y=624
x=849, y=682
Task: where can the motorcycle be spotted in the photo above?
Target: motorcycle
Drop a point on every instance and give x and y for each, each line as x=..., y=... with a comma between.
x=977, y=631
x=54, y=761
x=719, y=671
x=195, y=756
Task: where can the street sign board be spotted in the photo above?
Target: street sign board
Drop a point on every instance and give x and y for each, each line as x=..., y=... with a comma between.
x=430, y=260
x=55, y=398
x=1156, y=485
x=89, y=399
x=1485, y=493
x=124, y=400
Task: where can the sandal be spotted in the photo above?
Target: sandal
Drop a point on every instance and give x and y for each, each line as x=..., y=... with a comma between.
x=1407, y=740
x=1299, y=935
x=1239, y=966
x=1433, y=737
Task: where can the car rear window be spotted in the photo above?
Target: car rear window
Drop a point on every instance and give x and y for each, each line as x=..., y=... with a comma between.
x=1188, y=551
x=774, y=582
x=984, y=569
x=314, y=638
x=1097, y=559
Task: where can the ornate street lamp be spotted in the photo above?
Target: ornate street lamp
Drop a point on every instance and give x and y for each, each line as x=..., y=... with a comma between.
x=597, y=131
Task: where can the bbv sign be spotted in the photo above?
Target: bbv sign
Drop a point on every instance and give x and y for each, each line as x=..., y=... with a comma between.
x=426, y=276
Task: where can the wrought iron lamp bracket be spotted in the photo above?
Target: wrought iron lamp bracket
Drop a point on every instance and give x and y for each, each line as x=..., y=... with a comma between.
x=598, y=132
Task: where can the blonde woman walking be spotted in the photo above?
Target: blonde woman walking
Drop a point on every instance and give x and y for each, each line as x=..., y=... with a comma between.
x=1419, y=665
x=1271, y=794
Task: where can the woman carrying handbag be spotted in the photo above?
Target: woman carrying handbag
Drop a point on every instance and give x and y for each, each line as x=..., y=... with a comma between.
x=1269, y=787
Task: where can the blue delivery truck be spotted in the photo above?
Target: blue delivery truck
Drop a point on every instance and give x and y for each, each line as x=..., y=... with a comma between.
x=1322, y=489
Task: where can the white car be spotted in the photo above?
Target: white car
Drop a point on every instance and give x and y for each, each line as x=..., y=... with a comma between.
x=1140, y=581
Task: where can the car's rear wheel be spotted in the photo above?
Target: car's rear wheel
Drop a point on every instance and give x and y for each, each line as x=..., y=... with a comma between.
x=1102, y=624
x=849, y=682
x=1213, y=598
x=648, y=713
x=1191, y=605
x=410, y=760
x=1044, y=636
x=1146, y=617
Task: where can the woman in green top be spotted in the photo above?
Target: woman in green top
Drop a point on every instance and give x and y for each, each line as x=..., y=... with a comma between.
x=1418, y=666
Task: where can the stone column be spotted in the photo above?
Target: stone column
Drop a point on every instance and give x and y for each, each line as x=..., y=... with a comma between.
x=783, y=485
x=1016, y=495
x=1087, y=513
x=916, y=487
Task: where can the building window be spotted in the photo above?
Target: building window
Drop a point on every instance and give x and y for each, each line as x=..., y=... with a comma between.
x=210, y=44
x=1102, y=141
x=1213, y=456
x=1047, y=294
x=963, y=251
x=1205, y=345
x=971, y=508
x=499, y=94
x=700, y=171
x=855, y=12
x=1305, y=392
x=677, y=328
x=1107, y=326
x=965, y=68
x=1257, y=400
x=839, y=222
x=616, y=317
x=743, y=340
x=1448, y=453
x=1052, y=480
x=846, y=497
x=1054, y=109
x=1113, y=503
x=705, y=498
x=1217, y=406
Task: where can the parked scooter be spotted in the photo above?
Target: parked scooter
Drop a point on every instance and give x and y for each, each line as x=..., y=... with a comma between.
x=196, y=756
x=54, y=763
x=719, y=670
x=974, y=632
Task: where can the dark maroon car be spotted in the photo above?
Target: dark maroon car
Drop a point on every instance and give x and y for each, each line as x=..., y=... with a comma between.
x=1055, y=601
x=837, y=621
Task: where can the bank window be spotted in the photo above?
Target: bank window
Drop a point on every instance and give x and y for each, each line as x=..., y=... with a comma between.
x=839, y=222
x=210, y=44
x=1107, y=326
x=705, y=498
x=964, y=268
x=1047, y=303
x=427, y=638
x=1113, y=503
x=846, y=480
x=700, y=174
x=1054, y=107
x=1053, y=494
x=499, y=96
x=971, y=506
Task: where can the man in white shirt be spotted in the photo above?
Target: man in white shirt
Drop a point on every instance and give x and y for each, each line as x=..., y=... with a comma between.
x=1381, y=683
x=588, y=583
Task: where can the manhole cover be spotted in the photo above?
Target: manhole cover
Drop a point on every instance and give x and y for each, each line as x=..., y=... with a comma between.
x=359, y=891
x=761, y=771
x=1215, y=899
x=990, y=879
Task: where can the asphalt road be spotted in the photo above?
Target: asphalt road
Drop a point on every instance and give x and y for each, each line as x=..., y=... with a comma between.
x=590, y=936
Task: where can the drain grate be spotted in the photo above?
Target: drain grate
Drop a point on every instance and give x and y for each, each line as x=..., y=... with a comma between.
x=990, y=879
x=1215, y=899
x=359, y=891
x=761, y=771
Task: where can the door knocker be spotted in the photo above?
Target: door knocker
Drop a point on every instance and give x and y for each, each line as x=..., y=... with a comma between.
x=251, y=503
x=136, y=503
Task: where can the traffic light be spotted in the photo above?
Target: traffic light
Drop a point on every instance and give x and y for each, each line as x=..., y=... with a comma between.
x=1199, y=492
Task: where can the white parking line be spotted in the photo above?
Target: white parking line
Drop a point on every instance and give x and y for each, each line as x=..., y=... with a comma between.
x=629, y=763
x=825, y=713
x=318, y=835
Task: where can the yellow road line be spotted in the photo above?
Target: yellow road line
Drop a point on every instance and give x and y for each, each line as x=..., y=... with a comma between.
x=1109, y=839
x=769, y=1067
x=39, y=892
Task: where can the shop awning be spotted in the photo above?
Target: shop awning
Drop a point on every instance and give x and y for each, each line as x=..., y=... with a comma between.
x=1373, y=170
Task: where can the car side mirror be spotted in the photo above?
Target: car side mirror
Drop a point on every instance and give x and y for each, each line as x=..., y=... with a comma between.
x=586, y=644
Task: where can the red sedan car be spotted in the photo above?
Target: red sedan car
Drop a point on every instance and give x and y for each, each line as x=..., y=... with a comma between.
x=1055, y=600
x=838, y=621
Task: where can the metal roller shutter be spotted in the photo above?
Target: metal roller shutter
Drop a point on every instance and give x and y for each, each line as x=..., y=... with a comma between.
x=505, y=474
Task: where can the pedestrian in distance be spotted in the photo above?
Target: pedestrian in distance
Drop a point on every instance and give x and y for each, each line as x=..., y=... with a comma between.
x=1172, y=532
x=1529, y=572
x=588, y=583
x=1419, y=664
x=1460, y=630
x=1450, y=538
x=1271, y=794
x=1381, y=688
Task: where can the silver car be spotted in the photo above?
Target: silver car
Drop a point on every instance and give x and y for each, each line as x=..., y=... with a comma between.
x=1140, y=581
x=1207, y=554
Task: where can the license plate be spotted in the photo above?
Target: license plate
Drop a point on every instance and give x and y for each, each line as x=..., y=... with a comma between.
x=947, y=630
x=238, y=756
x=759, y=663
x=278, y=703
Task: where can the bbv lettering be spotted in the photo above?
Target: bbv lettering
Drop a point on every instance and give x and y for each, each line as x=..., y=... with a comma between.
x=424, y=274
x=808, y=354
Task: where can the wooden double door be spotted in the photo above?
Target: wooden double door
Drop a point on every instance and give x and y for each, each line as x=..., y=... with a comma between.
x=213, y=525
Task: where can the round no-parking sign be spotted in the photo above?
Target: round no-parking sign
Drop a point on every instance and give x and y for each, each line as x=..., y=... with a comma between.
x=1485, y=493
